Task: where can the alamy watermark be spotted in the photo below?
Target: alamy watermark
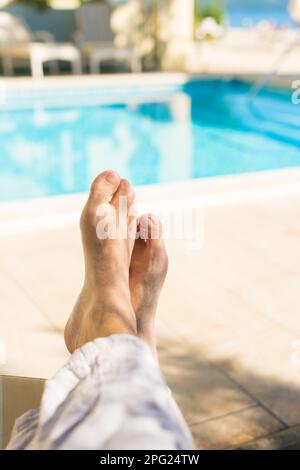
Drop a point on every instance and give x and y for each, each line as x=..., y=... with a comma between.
x=181, y=222
x=296, y=93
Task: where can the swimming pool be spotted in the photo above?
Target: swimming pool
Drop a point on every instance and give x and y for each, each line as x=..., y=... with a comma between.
x=54, y=142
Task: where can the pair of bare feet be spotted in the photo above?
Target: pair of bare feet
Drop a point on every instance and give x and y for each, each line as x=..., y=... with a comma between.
x=123, y=275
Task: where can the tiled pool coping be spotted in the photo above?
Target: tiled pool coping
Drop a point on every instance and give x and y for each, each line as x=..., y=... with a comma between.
x=19, y=92
x=63, y=211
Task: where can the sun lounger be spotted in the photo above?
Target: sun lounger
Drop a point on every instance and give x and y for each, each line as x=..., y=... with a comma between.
x=18, y=43
x=95, y=38
x=17, y=396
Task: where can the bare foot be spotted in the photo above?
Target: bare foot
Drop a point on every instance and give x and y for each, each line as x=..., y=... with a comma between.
x=104, y=305
x=148, y=269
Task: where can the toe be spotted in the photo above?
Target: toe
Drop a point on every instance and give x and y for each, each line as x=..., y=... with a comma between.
x=149, y=255
x=124, y=196
x=150, y=229
x=123, y=202
x=104, y=186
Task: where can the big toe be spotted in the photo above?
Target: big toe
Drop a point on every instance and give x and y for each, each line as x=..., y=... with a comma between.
x=124, y=196
x=104, y=187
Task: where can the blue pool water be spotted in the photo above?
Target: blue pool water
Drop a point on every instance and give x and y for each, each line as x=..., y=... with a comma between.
x=241, y=17
x=251, y=12
x=55, y=142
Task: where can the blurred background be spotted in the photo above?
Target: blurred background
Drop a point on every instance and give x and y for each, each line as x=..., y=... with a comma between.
x=197, y=103
x=160, y=34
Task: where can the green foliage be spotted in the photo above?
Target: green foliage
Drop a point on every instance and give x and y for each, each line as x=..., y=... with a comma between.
x=214, y=9
x=40, y=5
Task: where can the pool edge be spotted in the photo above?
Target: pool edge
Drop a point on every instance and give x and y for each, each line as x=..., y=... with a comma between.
x=57, y=212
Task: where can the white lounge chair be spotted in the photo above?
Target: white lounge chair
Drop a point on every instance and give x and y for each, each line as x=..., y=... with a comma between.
x=95, y=38
x=18, y=43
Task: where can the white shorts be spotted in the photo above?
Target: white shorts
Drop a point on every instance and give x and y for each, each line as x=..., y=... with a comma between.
x=110, y=395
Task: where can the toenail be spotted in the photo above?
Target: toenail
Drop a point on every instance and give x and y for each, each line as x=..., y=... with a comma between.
x=125, y=183
x=125, y=187
x=131, y=193
x=112, y=177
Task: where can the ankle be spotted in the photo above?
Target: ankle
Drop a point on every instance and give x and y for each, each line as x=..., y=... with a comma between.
x=146, y=327
x=114, y=324
x=113, y=314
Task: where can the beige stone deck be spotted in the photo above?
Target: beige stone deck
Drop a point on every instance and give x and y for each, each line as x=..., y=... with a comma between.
x=229, y=315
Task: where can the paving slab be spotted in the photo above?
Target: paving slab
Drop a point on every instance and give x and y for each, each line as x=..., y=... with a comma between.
x=288, y=439
x=235, y=428
x=30, y=344
x=202, y=391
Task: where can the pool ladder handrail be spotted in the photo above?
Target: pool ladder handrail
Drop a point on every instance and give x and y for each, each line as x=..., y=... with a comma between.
x=262, y=82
